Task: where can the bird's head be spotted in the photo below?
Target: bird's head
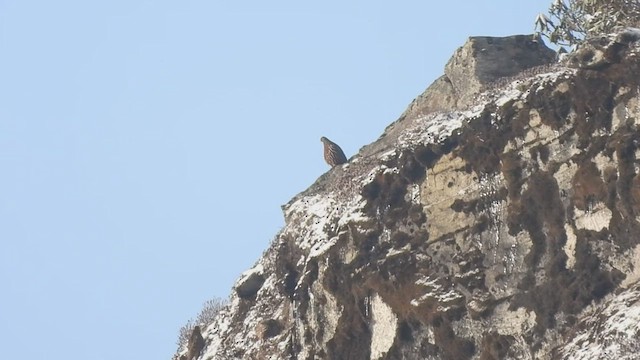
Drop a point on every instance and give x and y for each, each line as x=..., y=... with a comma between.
x=324, y=139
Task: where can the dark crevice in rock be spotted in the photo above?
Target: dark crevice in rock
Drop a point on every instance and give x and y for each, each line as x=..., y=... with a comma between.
x=452, y=346
x=588, y=186
x=481, y=144
x=496, y=347
x=287, y=256
x=512, y=168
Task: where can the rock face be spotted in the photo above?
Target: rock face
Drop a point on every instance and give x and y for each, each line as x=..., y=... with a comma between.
x=194, y=345
x=484, y=59
x=476, y=66
x=508, y=229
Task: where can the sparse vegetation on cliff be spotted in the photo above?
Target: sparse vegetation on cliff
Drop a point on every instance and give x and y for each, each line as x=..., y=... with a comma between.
x=210, y=309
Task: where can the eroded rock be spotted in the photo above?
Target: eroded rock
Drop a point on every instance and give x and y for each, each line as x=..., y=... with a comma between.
x=195, y=344
x=250, y=283
x=507, y=230
x=483, y=60
x=599, y=52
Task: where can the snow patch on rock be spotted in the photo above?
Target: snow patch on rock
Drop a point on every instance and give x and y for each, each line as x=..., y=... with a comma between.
x=595, y=219
x=431, y=129
x=438, y=292
x=570, y=246
x=384, y=325
x=634, y=275
x=317, y=215
x=610, y=331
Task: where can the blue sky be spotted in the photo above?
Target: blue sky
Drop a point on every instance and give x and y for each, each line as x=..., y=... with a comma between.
x=146, y=146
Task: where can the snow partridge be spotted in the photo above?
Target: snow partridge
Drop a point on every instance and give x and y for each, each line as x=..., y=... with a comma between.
x=333, y=155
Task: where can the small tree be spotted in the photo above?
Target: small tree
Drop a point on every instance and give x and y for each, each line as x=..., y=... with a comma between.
x=210, y=311
x=571, y=21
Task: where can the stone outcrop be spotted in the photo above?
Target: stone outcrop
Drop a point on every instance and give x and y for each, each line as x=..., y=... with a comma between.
x=475, y=67
x=483, y=60
x=501, y=221
x=600, y=52
x=194, y=345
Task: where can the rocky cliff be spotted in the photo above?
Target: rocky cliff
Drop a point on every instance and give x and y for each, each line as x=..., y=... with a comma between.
x=498, y=218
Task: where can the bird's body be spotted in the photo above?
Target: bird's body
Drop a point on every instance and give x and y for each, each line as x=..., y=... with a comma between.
x=333, y=155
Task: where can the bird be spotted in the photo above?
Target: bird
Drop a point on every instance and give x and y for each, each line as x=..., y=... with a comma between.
x=333, y=155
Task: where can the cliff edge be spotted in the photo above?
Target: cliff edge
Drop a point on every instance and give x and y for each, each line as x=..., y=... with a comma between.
x=497, y=218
